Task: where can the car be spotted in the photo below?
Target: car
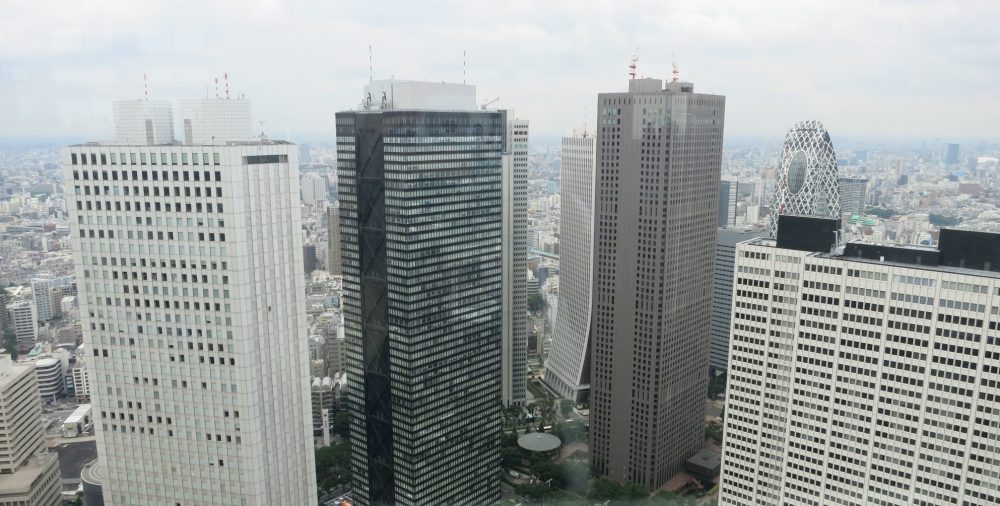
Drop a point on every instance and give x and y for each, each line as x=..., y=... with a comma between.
x=514, y=474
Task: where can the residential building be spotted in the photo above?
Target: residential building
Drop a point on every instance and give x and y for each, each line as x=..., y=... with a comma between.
x=567, y=370
x=421, y=217
x=853, y=192
x=722, y=296
x=515, y=260
x=189, y=261
x=28, y=473
x=23, y=319
x=806, y=177
x=48, y=294
x=861, y=373
x=333, y=239
x=659, y=156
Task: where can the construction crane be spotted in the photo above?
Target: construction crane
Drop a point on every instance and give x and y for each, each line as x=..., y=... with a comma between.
x=489, y=103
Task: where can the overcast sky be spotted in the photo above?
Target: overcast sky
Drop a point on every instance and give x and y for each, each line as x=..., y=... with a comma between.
x=928, y=69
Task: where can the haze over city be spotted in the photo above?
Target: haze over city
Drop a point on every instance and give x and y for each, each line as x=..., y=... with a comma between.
x=867, y=69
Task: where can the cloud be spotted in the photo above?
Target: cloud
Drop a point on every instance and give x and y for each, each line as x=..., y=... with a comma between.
x=886, y=68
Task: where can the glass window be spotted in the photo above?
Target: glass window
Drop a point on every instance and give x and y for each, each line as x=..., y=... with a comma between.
x=184, y=158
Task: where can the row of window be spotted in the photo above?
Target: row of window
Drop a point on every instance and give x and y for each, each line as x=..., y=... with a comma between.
x=142, y=158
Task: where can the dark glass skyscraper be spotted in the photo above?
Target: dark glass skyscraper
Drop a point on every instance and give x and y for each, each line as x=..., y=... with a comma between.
x=420, y=211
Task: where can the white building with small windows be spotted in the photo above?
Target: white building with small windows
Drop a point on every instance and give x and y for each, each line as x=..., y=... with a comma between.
x=188, y=260
x=863, y=374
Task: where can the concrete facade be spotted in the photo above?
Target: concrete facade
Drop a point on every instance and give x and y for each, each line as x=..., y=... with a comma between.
x=659, y=156
x=567, y=369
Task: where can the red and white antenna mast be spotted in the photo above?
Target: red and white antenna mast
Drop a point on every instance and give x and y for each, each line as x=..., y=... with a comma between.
x=216, y=87
x=369, y=63
x=464, y=66
x=145, y=85
x=633, y=64
x=676, y=71
x=225, y=76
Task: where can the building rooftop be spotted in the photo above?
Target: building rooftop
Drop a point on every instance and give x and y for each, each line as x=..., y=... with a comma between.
x=258, y=142
x=20, y=482
x=538, y=442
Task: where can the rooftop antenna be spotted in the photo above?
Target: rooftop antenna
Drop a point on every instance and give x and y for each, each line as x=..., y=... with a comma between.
x=145, y=85
x=676, y=71
x=225, y=76
x=369, y=63
x=216, y=87
x=464, y=66
x=584, y=121
x=633, y=64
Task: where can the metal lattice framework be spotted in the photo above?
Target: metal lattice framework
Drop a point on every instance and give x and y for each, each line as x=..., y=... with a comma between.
x=806, y=175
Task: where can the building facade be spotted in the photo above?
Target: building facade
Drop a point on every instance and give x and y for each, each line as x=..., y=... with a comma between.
x=567, y=370
x=515, y=259
x=853, y=192
x=421, y=227
x=806, y=177
x=722, y=296
x=728, y=199
x=48, y=294
x=28, y=473
x=659, y=156
x=333, y=258
x=864, y=376
x=192, y=301
x=24, y=321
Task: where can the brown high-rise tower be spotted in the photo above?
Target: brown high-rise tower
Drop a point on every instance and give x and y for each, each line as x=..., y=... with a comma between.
x=659, y=155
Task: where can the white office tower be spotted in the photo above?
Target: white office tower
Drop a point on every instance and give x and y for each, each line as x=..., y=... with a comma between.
x=313, y=189
x=143, y=122
x=567, y=369
x=806, y=177
x=192, y=302
x=515, y=260
x=864, y=376
x=29, y=475
x=216, y=120
x=722, y=296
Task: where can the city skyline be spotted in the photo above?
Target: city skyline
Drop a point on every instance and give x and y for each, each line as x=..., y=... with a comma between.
x=892, y=57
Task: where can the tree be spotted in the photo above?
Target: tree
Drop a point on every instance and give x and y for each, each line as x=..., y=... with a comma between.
x=535, y=303
x=940, y=220
x=566, y=406
x=342, y=424
x=10, y=342
x=575, y=476
x=333, y=465
x=606, y=489
x=882, y=212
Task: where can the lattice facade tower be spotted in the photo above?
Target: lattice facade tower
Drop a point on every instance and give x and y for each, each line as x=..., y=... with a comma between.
x=806, y=175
